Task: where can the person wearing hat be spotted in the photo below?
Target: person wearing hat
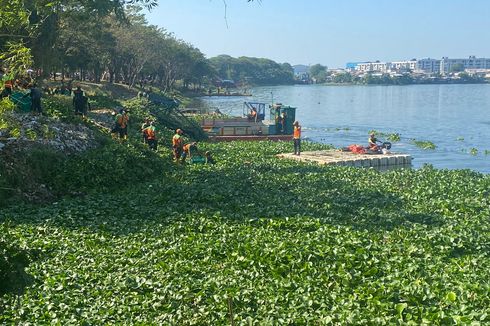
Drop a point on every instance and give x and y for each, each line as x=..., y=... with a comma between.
x=150, y=136
x=177, y=144
x=372, y=142
x=297, y=138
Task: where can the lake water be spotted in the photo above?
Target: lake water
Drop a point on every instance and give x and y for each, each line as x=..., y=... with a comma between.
x=456, y=118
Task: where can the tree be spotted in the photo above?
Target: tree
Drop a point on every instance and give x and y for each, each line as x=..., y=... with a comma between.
x=259, y=71
x=318, y=73
x=36, y=24
x=457, y=67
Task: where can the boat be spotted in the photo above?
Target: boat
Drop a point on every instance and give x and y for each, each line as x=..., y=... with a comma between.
x=244, y=92
x=230, y=94
x=253, y=125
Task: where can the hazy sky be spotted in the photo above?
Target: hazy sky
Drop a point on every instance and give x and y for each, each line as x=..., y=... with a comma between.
x=330, y=32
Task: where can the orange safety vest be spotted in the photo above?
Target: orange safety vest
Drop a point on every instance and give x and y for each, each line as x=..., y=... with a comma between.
x=177, y=141
x=150, y=132
x=297, y=132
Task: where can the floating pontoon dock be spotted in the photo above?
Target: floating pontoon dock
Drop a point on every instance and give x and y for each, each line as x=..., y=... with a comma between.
x=336, y=157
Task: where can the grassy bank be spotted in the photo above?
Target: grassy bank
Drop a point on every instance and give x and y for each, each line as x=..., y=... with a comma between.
x=259, y=240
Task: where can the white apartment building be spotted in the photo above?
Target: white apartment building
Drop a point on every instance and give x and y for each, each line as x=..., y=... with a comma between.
x=443, y=66
x=373, y=66
x=386, y=66
x=429, y=65
x=404, y=65
x=471, y=63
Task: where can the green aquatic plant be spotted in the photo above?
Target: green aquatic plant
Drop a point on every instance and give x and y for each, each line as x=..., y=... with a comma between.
x=460, y=138
x=256, y=240
x=31, y=134
x=393, y=137
x=424, y=144
x=473, y=151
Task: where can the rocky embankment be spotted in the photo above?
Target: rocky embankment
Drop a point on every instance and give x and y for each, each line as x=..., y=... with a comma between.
x=21, y=135
x=26, y=131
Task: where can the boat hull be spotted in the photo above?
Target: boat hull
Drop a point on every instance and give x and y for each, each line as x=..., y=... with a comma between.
x=251, y=138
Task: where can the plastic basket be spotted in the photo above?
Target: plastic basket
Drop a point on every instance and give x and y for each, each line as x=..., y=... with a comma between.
x=198, y=160
x=24, y=103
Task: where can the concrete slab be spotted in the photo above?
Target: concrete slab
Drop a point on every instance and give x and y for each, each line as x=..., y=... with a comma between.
x=336, y=157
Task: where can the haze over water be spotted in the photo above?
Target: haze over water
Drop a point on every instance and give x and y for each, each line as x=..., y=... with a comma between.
x=456, y=118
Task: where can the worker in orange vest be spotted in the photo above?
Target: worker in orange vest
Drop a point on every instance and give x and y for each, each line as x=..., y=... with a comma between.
x=297, y=138
x=151, y=136
x=188, y=149
x=177, y=144
x=122, y=120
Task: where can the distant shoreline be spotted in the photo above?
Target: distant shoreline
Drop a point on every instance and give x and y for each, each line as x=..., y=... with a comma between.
x=410, y=84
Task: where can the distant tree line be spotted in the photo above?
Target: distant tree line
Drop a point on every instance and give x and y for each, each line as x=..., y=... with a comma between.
x=255, y=71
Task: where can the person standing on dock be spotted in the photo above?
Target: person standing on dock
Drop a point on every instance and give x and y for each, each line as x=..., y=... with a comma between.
x=297, y=138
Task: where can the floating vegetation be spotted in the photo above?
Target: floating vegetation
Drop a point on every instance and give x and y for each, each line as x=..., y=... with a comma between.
x=335, y=231
x=486, y=152
x=392, y=137
x=473, y=151
x=460, y=138
x=424, y=144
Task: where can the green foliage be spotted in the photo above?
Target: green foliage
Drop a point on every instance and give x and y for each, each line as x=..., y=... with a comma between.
x=473, y=151
x=8, y=125
x=318, y=72
x=392, y=137
x=6, y=105
x=168, y=118
x=279, y=242
x=424, y=144
x=16, y=57
x=12, y=263
x=344, y=78
x=257, y=71
x=456, y=67
x=31, y=134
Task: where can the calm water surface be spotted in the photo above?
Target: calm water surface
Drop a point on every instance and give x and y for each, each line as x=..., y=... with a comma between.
x=456, y=118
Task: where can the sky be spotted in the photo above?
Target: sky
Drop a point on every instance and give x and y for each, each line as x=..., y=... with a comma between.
x=330, y=32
